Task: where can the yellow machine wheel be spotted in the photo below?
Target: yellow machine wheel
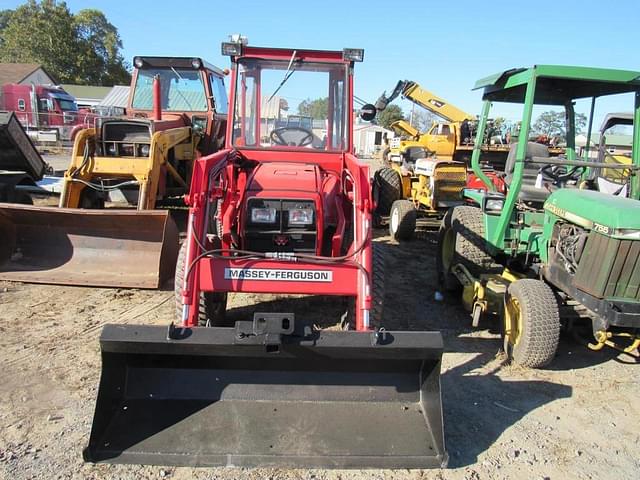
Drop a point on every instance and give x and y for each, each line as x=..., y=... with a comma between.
x=530, y=323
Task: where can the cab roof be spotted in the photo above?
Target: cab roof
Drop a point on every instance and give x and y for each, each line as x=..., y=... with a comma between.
x=177, y=62
x=557, y=84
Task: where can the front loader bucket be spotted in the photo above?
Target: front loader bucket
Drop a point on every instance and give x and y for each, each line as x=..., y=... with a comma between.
x=331, y=400
x=103, y=248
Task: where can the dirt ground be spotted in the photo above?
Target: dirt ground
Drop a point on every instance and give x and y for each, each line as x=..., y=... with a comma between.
x=576, y=419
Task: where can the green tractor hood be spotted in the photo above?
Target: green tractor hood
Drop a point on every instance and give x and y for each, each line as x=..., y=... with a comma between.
x=606, y=213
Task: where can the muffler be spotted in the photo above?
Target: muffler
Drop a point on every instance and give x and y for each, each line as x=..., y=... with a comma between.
x=101, y=248
x=249, y=397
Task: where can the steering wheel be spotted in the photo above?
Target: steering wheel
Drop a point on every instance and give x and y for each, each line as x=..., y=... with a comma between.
x=292, y=136
x=561, y=174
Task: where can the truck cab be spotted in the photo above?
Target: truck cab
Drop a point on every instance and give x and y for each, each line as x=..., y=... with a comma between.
x=41, y=107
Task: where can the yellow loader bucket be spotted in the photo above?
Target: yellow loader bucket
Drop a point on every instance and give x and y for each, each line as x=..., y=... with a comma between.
x=102, y=248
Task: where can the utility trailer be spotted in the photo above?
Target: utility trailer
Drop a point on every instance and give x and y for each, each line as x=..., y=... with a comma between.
x=275, y=212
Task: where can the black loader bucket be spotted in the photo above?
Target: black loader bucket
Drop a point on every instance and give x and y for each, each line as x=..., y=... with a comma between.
x=103, y=248
x=227, y=397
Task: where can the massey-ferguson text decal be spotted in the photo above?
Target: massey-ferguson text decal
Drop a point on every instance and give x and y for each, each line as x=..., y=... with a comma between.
x=270, y=274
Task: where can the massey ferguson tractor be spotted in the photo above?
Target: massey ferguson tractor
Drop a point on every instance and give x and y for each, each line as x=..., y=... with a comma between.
x=282, y=209
x=558, y=249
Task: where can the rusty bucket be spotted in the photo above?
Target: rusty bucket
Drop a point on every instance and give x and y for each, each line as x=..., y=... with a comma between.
x=102, y=248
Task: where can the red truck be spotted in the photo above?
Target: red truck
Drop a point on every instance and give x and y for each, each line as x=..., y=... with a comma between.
x=44, y=107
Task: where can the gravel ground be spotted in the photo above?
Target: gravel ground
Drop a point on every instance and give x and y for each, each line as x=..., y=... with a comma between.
x=573, y=420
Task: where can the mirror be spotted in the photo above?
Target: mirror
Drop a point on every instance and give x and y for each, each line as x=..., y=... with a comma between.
x=368, y=112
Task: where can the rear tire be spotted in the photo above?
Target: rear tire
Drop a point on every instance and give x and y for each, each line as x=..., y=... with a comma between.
x=388, y=186
x=461, y=240
x=402, y=221
x=530, y=323
x=212, y=306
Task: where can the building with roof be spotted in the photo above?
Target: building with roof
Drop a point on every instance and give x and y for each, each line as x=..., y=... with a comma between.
x=369, y=139
x=25, y=74
x=86, y=95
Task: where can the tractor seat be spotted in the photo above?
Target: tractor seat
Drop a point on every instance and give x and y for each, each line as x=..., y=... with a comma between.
x=528, y=191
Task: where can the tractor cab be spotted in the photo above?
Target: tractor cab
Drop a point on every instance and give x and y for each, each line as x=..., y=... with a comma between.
x=192, y=92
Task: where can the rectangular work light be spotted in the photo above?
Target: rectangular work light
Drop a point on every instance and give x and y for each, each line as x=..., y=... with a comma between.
x=353, y=54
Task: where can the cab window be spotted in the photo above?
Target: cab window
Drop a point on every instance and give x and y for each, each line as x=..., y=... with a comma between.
x=219, y=94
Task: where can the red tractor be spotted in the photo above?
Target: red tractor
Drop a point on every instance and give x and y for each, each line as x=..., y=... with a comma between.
x=284, y=208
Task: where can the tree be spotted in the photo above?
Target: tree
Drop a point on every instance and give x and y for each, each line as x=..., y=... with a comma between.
x=318, y=108
x=100, y=49
x=82, y=48
x=389, y=115
x=552, y=124
x=422, y=120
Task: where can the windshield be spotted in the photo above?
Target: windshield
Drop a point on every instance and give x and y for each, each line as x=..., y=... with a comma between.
x=68, y=105
x=290, y=104
x=181, y=90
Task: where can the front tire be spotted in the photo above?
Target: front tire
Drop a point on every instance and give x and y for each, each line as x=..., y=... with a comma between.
x=402, y=221
x=530, y=323
x=212, y=306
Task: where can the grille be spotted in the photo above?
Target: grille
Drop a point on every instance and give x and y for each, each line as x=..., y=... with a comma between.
x=610, y=268
x=449, y=182
x=280, y=236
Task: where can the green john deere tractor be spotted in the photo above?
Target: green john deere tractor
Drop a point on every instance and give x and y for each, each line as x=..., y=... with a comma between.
x=553, y=249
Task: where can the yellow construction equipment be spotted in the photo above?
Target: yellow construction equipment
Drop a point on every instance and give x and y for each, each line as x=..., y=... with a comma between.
x=176, y=113
x=450, y=138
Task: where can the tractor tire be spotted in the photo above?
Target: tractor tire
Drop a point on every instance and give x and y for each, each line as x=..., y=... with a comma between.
x=212, y=306
x=461, y=240
x=530, y=323
x=388, y=185
x=379, y=262
x=402, y=221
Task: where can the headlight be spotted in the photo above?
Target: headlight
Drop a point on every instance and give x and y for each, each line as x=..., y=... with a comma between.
x=494, y=205
x=301, y=216
x=196, y=63
x=138, y=62
x=144, y=150
x=263, y=215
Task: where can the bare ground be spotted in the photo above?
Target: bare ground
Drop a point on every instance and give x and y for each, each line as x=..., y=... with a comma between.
x=577, y=419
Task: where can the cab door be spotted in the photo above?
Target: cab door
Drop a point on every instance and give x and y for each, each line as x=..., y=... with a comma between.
x=441, y=139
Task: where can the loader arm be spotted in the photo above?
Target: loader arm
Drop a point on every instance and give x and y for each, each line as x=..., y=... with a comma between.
x=413, y=92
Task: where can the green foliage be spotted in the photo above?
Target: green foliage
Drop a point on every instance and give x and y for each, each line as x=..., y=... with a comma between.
x=82, y=48
x=318, y=108
x=552, y=124
x=389, y=115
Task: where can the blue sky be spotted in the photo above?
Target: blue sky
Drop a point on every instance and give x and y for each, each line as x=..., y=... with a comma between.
x=445, y=45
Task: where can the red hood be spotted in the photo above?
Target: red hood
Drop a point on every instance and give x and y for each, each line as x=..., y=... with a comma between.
x=286, y=177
